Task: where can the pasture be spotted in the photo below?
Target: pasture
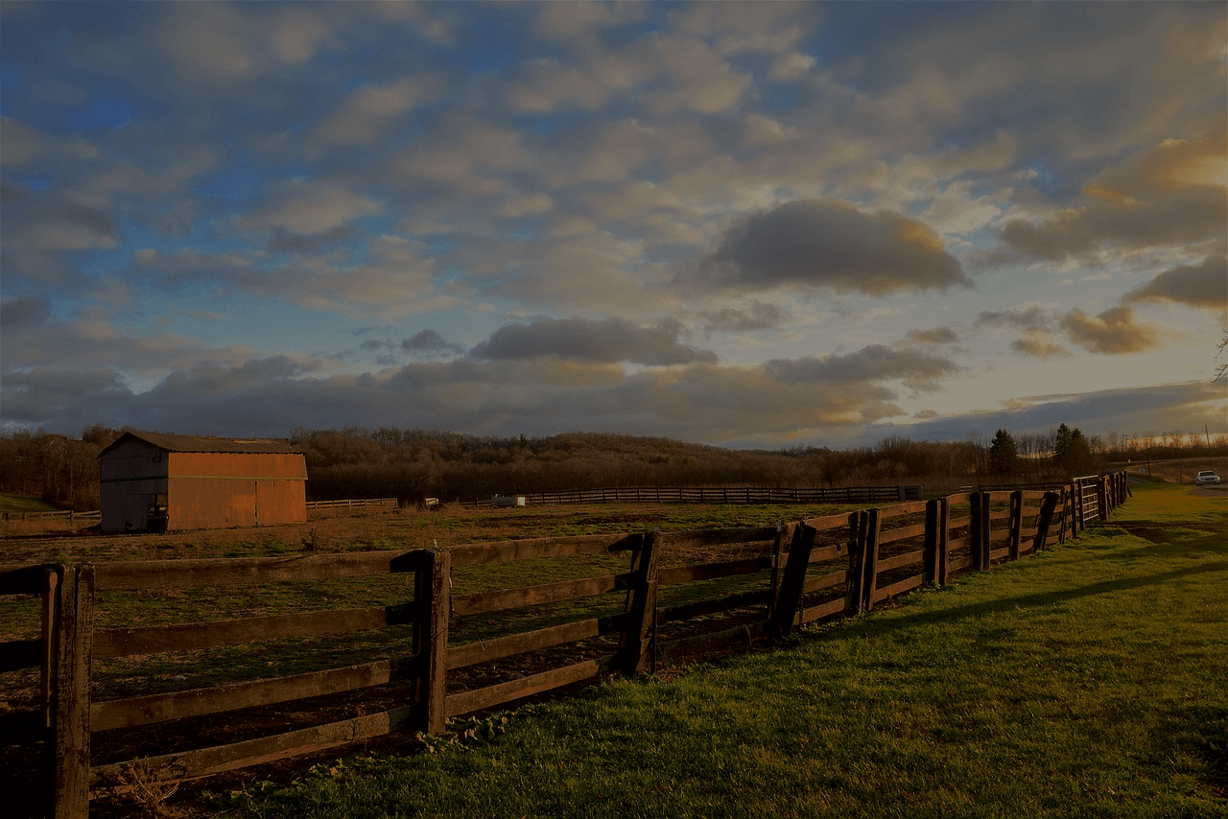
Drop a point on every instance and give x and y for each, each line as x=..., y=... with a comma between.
x=1090, y=680
x=169, y=672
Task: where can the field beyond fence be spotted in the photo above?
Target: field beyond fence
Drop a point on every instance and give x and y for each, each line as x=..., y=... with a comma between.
x=622, y=603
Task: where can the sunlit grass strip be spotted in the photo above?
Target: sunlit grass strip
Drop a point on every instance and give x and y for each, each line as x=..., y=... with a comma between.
x=1090, y=680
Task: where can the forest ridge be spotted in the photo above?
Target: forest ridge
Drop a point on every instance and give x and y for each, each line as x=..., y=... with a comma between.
x=410, y=464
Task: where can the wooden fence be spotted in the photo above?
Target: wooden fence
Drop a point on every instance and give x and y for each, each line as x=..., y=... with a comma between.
x=671, y=601
x=721, y=494
x=351, y=504
x=67, y=514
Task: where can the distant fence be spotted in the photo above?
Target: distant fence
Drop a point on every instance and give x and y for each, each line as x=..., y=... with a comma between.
x=719, y=494
x=68, y=515
x=769, y=581
x=351, y=504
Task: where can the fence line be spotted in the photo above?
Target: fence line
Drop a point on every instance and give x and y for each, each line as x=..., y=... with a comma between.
x=718, y=494
x=67, y=513
x=796, y=573
x=349, y=504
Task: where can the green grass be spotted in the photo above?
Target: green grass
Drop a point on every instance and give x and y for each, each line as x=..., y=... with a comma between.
x=1088, y=681
x=23, y=503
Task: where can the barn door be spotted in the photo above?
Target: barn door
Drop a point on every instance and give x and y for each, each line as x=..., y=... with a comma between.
x=136, y=512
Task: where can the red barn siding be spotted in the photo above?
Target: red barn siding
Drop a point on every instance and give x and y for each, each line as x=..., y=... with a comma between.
x=203, y=488
x=209, y=489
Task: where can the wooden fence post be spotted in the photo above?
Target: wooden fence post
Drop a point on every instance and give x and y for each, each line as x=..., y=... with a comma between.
x=50, y=633
x=641, y=606
x=777, y=550
x=932, y=536
x=793, y=582
x=975, y=531
x=433, y=594
x=1016, y=524
x=858, y=522
x=1047, y=505
x=74, y=650
x=873, y=529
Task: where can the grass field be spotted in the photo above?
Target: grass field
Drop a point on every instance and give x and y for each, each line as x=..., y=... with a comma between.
x=1088, y=681
x=23, y=503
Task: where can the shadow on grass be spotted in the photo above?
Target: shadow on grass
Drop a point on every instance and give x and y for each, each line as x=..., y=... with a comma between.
x=1041, y=600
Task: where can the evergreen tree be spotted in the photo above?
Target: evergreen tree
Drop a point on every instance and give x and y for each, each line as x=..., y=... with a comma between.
x=1003, y=454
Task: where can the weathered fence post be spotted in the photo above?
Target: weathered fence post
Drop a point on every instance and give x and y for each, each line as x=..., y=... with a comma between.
x=641, y=606
x=433, y=594
x=71, y=715
x=1016, y=524
x=873, y=530
x=857, y=558
x=975, y=531
x=50, y=632
x=794, y=581
x=777, y=550
x=1047, y=505
x=1102, y=499
x=933, y=539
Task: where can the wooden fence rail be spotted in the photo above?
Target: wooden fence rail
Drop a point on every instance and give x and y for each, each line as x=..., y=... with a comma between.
x=65, y=513
x=659, y=607
x=351, y=504
x=718, y=494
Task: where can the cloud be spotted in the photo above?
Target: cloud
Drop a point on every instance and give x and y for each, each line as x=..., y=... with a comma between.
x=1037, y=343
x=920, y=371
x=34, y=339
x=604, y=341
x=1112, y=332
x=758, y=316
x=1032, y=318
x=371, y=110
x=15, y=312
x=1173, y=194
x=429, y=343
x=394, y=277
x=831, y=244
x=791, y=66
x=1202, y=285
x=1185, y=405
x=305, y=207
x=935, y=335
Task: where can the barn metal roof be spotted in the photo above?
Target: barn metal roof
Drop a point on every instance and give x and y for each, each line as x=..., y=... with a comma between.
x=198, y=443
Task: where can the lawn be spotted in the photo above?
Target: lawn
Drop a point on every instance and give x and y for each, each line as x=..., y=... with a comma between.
x=1089, y=680
x=23, y=503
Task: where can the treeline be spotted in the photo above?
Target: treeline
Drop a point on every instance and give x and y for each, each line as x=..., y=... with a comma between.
x=411, y=464
x=60, y=469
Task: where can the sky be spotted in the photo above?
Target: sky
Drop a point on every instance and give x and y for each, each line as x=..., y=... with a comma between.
x=753, y=225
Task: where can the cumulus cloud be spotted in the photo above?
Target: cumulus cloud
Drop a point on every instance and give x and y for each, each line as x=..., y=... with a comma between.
x=429, y=343
x=1172, y=194
x=599, y=341
x=1039, y=344
x=305, y=207
x=1031, y=318
x=34, y=339
x=872, y=363
x=831, y=244
x=1113, y=332
x=791, y=66
x=370, y=110
x=757, y=316
x=15, y=312
x=393, y=278
x=934, y=335
x=1202, y=285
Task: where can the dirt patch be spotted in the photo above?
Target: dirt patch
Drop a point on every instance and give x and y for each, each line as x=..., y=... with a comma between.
x=1220, y=491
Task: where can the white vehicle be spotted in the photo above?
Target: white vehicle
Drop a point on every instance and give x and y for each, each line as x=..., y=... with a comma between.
x=1206, y=479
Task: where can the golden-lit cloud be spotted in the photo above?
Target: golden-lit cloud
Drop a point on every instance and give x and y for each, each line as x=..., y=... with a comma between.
x=1113, y=332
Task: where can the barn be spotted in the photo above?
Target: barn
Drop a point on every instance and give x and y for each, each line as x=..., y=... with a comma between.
x=154, y=482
